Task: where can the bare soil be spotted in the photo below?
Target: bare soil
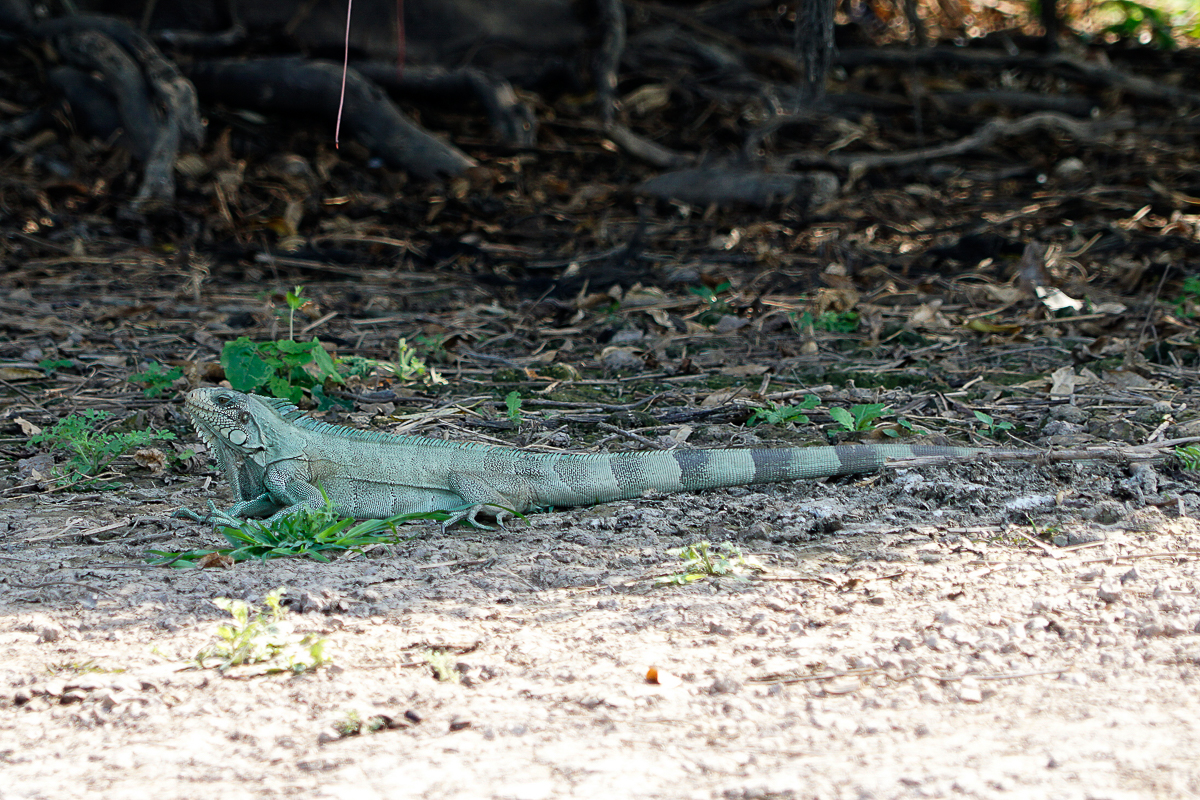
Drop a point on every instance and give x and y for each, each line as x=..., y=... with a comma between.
x=908, y=636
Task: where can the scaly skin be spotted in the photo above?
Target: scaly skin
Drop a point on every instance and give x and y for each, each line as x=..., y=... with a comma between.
x=277, y=460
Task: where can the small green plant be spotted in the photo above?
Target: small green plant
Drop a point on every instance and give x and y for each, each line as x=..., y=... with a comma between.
x=715, y=306
x=409, y=366
x=831, y=321
x=350, y=724
x=295, y=302
x=900, y=423
x=441, y=663
x=282, y=369
x=1138, y=18
x=1189, y=456
x=156, y=379
x=433, y=346
x=776, y=414
x=512, y=401
x=52, y=365
x=857, y=418
x=1188, y=301
x=990, y=426
x=353, y=724
x=1048, y=532
x=91, y=450
x=702, y=561
x=262, y=636
x=80, y=668
x=315, y=534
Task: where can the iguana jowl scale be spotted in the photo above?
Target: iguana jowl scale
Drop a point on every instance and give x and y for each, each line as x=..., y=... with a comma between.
x=278, y=460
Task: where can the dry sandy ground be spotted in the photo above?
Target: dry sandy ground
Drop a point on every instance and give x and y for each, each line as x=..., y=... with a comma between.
x=908, y=637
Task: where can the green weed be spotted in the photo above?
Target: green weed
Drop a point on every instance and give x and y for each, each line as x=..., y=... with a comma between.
x=52, y=365
x=715, y=306
x=990, y=426
x=295, y=302
x=441, y=662
x=281, y=369
x=702, y=561
x=857, y=418
x=1189, y=456
x=831, y=321
x=512, y=402
x=262, y=636
x=315, y=534
x=91, y=450
x=781, y=415
x=156, y=379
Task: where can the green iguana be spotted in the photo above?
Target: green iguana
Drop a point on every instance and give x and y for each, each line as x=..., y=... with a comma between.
x=279, y=460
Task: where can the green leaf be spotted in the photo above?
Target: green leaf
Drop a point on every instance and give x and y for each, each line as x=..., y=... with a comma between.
x=325, y=366
x=513, y=403
x=842, y=417
x=244, y=368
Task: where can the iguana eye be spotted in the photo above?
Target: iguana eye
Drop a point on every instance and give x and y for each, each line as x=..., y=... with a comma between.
x=222, y=400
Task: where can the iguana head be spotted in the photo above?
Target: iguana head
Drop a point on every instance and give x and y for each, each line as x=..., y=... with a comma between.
x=229, y=422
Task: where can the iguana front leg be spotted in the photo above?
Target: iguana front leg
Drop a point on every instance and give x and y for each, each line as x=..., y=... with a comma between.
x=288, y=491
x=258, y=507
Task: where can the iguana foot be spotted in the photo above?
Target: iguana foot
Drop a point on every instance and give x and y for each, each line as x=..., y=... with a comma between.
x=214, y=516
x=472, y=518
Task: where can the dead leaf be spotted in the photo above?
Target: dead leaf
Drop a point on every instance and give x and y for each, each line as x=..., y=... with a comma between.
x=662, y=678
x=152, y=459
x=983, y=326
x=19, y=373
x=1062, y=382
x=215, y=560
x=721, y=397
x=928, y=315
x=744, y=370
x=1002, y=294
x=27, y=427
x=1057, y=300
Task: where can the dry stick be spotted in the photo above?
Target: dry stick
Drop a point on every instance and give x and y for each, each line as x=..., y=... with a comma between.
x=1150, y=307
x=68, y=532
x=986, y=136
x=631, y=435
x=1136, y=556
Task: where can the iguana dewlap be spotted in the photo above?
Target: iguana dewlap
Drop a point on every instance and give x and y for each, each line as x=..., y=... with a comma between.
x=279, y=460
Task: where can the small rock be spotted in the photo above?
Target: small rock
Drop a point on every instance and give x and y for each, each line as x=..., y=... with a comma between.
x=729, y=323
x=621, y=358
x=1131, y=575
x=51, y=632
x=724, y=686
x=1070, y=170
x=1109, y=592
x=969, y=691
x=951, y=616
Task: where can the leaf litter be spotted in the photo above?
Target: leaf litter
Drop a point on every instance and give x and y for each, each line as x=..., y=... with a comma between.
x=972, y=629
